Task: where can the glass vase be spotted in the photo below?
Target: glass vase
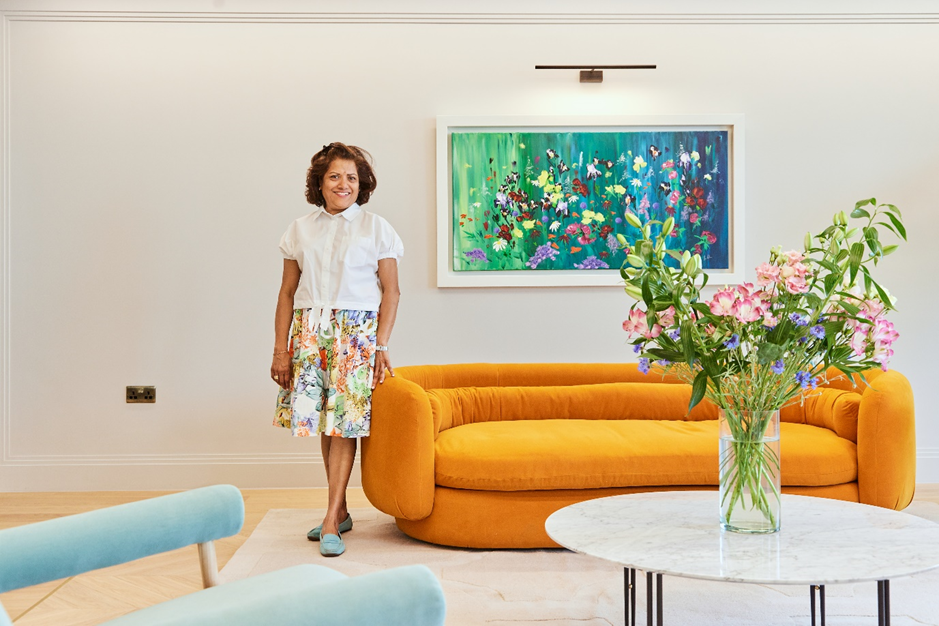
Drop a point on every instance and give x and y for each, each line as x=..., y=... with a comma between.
x=749, y=471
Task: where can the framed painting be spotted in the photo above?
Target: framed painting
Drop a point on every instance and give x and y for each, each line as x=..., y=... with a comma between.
x=536, y=201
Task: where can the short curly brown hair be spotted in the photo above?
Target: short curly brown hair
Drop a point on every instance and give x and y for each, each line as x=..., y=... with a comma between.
x=324, y=158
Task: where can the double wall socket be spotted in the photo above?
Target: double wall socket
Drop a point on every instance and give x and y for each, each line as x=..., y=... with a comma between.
x=141, y=394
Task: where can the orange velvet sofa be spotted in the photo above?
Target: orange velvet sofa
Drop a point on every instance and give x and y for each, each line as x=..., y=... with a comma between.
x=479, y=455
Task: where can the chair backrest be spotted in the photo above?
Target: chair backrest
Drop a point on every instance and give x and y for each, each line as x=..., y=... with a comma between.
x=67, y=546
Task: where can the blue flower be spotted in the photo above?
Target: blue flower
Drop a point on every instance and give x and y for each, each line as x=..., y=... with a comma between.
x=675, y=334
x=805, y=379
x=476, y=254
x=591, y=263
x=818, y=331
x=637, y=348
x=663, y=362
x=778, y=367
x=542, y=253
x=502, y=200
x=733, y=342
x=799, y=320
x=644, y=366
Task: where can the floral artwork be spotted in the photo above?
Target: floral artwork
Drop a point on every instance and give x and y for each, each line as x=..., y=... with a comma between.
x=558, y=200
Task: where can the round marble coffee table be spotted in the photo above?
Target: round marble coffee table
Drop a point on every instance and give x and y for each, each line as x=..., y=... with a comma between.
x=678, y=533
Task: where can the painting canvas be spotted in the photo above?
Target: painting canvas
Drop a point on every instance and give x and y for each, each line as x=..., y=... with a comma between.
x=550, y=201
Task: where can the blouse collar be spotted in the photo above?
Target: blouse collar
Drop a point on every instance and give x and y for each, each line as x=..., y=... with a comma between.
x=350, y=214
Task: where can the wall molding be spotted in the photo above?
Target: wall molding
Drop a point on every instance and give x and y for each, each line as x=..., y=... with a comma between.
x=927, y=465
x=285, y=458
x=480, y=18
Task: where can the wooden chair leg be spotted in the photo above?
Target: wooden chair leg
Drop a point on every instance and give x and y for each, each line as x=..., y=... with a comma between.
x=209, y=564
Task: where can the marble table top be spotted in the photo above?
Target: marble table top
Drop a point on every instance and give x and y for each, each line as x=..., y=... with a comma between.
x=678, y=533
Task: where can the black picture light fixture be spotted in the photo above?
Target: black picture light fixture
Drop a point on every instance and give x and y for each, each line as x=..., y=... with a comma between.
x=593, y=73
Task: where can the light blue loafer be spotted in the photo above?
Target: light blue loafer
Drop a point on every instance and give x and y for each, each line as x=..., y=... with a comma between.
x=332, y=545
x=344, y=527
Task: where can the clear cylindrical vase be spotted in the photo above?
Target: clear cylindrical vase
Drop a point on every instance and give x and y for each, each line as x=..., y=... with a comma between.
x=749, y=471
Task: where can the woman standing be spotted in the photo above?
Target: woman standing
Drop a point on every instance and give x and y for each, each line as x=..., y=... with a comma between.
x=335, y=311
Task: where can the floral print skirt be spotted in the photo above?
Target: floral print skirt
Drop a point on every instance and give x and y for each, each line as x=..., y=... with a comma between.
x=333, y=361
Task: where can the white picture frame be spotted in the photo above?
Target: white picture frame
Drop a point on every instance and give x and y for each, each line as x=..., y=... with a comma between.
x=448, y=277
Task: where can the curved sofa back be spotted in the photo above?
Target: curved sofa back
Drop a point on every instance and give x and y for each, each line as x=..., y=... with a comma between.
x=482, y=392
x=526, y=374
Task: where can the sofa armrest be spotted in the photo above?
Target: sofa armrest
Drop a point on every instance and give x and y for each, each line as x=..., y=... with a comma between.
x=398, y=455
x=886, y=442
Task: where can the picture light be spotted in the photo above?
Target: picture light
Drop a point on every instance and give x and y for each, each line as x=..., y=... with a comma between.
x=593, y=73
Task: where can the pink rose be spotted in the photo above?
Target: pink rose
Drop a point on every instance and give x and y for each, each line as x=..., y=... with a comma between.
x=793, y=256
x=767, y=274
x=693, y=218
x=799, y=268
x=796, y=284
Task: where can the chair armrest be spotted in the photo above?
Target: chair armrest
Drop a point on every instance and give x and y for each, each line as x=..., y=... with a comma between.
x=58, y=548
x=398, y=454
x=886, y=442
x=306, y=595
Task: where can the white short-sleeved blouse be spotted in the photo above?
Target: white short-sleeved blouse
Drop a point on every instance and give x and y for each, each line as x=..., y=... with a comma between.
x=338, y=257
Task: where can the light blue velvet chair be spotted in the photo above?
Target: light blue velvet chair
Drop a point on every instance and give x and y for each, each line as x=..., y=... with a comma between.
x=304, y=594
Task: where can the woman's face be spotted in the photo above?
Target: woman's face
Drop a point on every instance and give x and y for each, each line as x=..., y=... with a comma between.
x=340, y=185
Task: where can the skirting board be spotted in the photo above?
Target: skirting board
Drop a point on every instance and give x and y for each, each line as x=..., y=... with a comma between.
x=166, y=477
x=249, y=476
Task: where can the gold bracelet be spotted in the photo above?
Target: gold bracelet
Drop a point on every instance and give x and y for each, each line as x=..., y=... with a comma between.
x=282, y=352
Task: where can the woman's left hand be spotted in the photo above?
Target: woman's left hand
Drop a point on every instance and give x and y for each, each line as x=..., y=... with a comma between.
x=382, y=364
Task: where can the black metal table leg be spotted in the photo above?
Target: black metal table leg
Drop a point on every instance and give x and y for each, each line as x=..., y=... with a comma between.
x=657, y=599
x=820, y=589
x=629, y=594
x=883, y=603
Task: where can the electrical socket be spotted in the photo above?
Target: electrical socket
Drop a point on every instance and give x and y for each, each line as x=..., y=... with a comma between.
x=141, y=394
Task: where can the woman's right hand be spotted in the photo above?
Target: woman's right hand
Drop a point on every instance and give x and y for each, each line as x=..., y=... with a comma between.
x=281, y=370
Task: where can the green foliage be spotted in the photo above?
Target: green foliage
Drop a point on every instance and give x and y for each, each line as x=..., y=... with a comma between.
x=815, y=308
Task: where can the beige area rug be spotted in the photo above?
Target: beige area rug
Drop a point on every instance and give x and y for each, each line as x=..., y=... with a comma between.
x=558, y=587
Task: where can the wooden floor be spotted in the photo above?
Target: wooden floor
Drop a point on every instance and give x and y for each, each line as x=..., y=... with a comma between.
x=105, y=594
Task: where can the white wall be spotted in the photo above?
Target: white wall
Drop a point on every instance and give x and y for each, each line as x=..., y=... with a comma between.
x=152, y=160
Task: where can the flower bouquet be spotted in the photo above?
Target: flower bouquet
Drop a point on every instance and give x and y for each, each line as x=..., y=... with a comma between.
x=753, y=348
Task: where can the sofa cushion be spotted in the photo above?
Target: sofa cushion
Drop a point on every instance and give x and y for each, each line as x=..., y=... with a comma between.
x=834, y=409
x=595, y=454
